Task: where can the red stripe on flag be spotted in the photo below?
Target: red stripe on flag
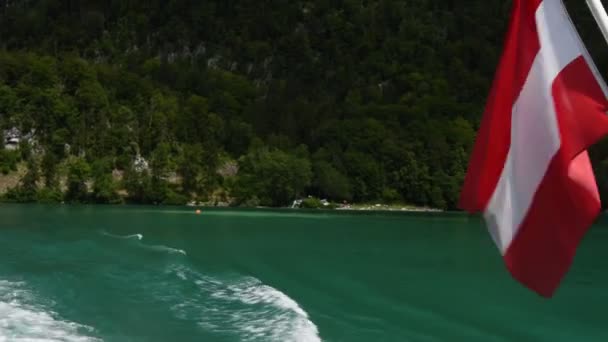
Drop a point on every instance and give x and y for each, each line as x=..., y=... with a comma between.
x=566, y=202
x=489, y=155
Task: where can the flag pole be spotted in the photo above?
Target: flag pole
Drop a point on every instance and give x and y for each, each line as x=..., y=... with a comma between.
x=601, y=18
x=599, y=13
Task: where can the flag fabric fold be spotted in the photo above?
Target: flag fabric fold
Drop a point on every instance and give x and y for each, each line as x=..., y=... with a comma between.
x=529, y=172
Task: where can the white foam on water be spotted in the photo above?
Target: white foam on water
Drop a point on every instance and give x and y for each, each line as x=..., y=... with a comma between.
x=132, y=236
x=287, y=321
x=181, y=274
x=245, y=306
x=170, y=250
x=25, y=322
x=158, y=248
x=137, y=236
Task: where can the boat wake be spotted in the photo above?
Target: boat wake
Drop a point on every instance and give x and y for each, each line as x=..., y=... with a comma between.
x=124, y=237
x=248, y=308
x=166, y=249
x=23, y=320
x=139, y=237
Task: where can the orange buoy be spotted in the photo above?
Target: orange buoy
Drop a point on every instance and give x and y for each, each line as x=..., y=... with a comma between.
x=198, y=211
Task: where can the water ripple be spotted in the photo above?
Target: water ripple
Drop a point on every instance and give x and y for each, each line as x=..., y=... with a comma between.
x=20, y=320
x=245, y=306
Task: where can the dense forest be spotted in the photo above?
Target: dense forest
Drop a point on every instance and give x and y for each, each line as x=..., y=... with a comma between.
x=247, y=102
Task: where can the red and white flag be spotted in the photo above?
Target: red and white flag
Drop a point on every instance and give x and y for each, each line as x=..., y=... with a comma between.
x=530, y=173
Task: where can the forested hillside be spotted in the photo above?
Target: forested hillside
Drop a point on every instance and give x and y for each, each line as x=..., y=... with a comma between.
x=249, y=102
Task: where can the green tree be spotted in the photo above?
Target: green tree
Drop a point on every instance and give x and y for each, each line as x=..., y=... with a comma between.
x=79, y=172
x=49, y=169
x=273, y=176
x=138, y=185
x=28, y=187
x=330, y=182
x=8, y=161
x=190, y=168
x=104, y=186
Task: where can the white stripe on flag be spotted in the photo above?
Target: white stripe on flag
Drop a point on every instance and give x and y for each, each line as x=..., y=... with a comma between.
x=535, y=137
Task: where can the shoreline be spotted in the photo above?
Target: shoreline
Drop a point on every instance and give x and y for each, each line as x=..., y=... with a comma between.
x=345, y=208
x=331, y=207
x=388, y=207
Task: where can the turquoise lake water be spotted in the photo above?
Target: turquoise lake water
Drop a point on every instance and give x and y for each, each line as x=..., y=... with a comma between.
x=166, y=274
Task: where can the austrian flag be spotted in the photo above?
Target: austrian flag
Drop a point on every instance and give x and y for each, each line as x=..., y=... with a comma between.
x=529, y=172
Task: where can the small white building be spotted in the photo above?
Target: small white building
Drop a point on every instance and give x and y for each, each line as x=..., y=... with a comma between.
x=13, y=137
x=12, y=144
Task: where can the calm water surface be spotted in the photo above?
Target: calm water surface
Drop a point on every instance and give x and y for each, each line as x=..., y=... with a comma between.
x=166, y=274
